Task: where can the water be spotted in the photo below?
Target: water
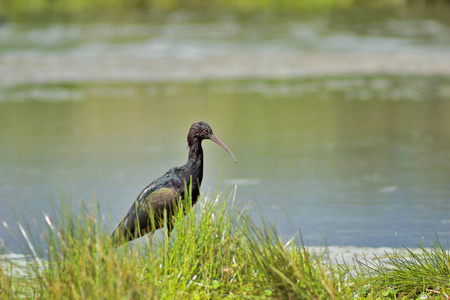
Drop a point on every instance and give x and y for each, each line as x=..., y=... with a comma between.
x=340, y=131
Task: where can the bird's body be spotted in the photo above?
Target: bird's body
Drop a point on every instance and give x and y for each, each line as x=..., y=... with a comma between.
x=159, y=200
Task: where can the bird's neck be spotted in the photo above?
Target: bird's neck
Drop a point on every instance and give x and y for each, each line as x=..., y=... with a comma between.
x=195, y=158
x=194, y=167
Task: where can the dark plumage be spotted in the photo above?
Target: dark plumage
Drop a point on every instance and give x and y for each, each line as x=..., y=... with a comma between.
x=146, y=215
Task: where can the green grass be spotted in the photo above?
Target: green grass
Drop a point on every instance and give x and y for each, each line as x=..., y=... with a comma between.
x=406, y=277
x=216, y=251
x=29, y=10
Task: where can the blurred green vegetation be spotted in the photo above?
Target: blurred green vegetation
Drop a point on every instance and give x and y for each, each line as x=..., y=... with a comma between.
x=40, y=9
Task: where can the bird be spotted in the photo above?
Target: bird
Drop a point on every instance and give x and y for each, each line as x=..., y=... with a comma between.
x=157, y=203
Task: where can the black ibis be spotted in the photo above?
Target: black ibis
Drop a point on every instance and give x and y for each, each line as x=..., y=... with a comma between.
x=158, y=201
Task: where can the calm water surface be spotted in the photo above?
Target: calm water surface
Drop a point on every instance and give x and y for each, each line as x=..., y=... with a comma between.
x=349, y=159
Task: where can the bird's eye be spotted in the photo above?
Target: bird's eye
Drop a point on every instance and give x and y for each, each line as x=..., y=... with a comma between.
x=206, y=130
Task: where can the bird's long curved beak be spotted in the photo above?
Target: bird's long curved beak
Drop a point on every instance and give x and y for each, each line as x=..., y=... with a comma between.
x=221, y=144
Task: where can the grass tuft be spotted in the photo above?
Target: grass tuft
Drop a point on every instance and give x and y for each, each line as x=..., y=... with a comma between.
x=215, y=251
x=421, y=275
x=291, y=272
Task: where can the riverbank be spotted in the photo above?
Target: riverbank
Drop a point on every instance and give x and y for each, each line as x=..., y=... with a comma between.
x=215, y=252
x=347, y=255
x=38, y=9
x=193, y=47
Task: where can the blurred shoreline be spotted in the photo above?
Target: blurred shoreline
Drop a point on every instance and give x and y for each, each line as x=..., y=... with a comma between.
x=348, y=255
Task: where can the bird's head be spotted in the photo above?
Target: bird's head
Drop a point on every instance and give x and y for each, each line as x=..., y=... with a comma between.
x=202, y=131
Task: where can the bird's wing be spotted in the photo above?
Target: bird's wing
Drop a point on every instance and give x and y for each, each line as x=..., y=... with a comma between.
x=147, y=212
x=146, y=215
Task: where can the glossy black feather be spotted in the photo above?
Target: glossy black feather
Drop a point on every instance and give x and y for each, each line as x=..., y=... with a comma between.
x=161, y=197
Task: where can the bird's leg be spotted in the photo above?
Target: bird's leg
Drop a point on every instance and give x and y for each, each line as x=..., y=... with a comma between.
x=169, y=230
